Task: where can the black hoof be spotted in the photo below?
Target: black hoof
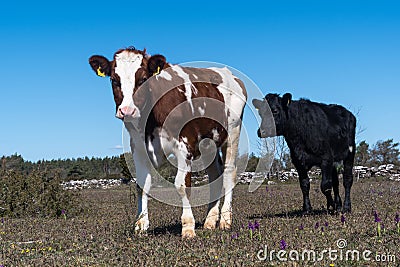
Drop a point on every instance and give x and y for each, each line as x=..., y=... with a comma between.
x=306, y=211
x=346, y=209
x=338, y=204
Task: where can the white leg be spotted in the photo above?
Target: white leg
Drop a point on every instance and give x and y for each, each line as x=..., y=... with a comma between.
x=143, y=179
x=229, y=179
x=188, y=222
x=214, y=172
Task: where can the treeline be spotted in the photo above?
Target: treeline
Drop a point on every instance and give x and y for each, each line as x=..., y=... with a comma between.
x=382, y=152
x=67, y=169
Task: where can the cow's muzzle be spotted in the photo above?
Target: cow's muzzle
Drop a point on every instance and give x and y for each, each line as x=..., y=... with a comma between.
x=125, y=112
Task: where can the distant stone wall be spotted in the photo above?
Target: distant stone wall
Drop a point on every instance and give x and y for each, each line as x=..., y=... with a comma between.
x=389, y=171
x=93, y=183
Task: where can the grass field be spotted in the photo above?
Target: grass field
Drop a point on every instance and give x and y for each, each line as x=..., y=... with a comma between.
x=103, y=235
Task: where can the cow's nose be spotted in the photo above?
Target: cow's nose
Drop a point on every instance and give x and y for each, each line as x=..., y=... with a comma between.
x=125, y=111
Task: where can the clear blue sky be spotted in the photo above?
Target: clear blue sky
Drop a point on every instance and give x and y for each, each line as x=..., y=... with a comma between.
x=53, y=106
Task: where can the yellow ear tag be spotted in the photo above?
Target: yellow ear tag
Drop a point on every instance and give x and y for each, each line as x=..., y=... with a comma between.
x=157, y=72
x=100, y=73
x=288, y=102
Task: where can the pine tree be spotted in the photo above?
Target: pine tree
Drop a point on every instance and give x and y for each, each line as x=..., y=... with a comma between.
x=363, y=157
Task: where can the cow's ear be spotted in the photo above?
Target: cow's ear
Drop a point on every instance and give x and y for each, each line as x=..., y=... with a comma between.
x=257, y=103
x=286, y=99
x=155, y=64
x=100, y=65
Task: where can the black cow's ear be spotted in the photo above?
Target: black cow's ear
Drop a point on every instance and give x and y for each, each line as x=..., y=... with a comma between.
x=286, y=99
x=100, y=65
x=257, y=103
x=155, y=64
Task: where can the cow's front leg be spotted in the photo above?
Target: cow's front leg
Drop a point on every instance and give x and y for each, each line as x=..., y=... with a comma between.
x=326, y=183
x=335, y=185
x=305, y=188
x=142, y=217
x=182, y=184
x=143, y=180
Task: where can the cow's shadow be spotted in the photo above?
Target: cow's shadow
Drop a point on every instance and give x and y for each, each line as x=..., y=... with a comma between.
x=171, y=229
x=290, y=214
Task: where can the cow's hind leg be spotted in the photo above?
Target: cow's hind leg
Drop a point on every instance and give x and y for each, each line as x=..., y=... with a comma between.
x=335, y=185
x=214, y=172
x=326, y=183
x=305, y=188
x=181, y=183
x=229, y=150
x=348, y=181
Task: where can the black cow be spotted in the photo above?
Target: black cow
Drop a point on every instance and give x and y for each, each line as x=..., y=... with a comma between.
x=317, y=135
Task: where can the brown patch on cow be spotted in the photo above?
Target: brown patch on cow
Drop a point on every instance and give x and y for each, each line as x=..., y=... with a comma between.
x=241, y=84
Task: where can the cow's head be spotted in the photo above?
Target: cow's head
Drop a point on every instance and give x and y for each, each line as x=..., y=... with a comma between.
x=128, y=70
x=278, y=106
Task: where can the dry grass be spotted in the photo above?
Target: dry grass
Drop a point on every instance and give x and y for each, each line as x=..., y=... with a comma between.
x=103, y=235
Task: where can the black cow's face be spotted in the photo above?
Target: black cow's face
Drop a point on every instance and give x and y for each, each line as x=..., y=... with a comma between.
x=278, y=107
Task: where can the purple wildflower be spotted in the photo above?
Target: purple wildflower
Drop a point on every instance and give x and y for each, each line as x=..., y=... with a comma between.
x=377, y=219
x=282, y=244
x=62, y=212
x=301, y=227
x=2, y=220
x=343, y=219
x=397, y=218
x=251, y=226
x=326, y=224
x=235, y=235
x=266, y=188
x=316, y=225
x=322, y=229
x=256, y=225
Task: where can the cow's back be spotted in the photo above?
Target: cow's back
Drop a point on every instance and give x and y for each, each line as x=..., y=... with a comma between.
x=317, y=129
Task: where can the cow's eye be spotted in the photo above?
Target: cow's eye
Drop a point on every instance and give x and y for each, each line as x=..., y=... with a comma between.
x=274, y=111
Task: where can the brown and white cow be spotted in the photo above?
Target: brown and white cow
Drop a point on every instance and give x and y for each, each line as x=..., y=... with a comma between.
x=171, y=109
